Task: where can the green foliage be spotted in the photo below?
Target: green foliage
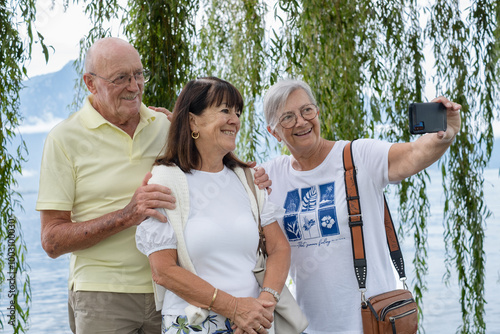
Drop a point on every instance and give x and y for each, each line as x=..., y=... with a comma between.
x=397, y=77
x=162, y=32
x=232, y=47
x=466, y=45
x=324, y=43
x=15, y=17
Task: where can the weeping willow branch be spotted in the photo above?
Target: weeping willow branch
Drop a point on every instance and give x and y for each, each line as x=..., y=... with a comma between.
x=15, y=17
x=460, y=48
x=325, y=44
x=404, y=79
x=232, y=47
x=162, y=32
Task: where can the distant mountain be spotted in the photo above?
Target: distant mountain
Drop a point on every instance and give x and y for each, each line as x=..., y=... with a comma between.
x=495, y=155
x=44, y=103
x=49, y=95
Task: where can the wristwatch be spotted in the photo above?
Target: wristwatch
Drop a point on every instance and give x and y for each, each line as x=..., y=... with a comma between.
x=275, y=293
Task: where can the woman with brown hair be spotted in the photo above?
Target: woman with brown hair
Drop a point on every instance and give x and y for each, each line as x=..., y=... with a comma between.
x=205, y=255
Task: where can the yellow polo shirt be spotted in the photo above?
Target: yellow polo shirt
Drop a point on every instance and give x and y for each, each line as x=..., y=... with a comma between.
x=91, y=167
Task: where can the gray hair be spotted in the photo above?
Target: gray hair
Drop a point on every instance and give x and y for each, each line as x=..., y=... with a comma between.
x=89, y=61
x=276, y=97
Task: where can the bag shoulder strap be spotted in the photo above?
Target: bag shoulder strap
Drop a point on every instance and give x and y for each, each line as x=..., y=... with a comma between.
x=262, y=238
x=356, y=224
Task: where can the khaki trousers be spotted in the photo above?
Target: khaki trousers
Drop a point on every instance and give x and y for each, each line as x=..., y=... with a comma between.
x=93, y=312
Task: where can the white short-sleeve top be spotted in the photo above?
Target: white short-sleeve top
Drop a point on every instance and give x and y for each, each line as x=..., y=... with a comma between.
x=220, y=234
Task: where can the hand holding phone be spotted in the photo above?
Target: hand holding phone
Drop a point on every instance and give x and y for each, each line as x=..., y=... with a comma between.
x=427, y=117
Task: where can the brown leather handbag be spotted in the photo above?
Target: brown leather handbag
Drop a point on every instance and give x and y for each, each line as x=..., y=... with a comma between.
x=393, y=311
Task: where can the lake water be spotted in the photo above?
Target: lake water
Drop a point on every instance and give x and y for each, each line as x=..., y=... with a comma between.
x=48, y=311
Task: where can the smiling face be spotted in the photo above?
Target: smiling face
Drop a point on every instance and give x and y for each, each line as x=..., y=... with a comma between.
x=217, y=127
x=119, y=104
x=305, y=135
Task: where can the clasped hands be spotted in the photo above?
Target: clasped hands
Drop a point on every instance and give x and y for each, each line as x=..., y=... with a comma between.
x=253, y=316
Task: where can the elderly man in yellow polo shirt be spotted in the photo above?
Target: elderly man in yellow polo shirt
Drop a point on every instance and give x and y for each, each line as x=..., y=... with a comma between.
x=93, y=193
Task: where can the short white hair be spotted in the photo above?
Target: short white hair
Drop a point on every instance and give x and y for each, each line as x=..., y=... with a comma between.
x=276, y=97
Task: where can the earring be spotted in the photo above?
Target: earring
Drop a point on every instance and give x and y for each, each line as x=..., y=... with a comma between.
x=195, y=135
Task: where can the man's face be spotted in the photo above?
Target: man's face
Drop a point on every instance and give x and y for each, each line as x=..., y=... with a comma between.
x=118, y=103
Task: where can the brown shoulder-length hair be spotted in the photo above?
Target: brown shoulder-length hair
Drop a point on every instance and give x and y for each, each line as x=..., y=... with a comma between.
x=196, y=97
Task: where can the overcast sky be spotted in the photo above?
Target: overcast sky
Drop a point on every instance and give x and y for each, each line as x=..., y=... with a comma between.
x=61, y=30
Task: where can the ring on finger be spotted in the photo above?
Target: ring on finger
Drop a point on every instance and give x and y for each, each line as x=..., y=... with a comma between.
x=258, y=329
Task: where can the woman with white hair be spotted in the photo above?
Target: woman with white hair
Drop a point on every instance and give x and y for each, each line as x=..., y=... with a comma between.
x=309, y=185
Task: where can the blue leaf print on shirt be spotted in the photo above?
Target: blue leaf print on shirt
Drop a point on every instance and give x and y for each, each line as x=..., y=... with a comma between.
x=292, y=228
x=309, y=200
x=226, y=330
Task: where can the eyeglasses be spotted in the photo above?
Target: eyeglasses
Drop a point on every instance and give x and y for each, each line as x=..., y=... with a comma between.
x=289, y=119
x=140, y=77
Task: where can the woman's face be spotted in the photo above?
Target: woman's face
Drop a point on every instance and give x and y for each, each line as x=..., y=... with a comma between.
x=305, y=134
x=218, y=127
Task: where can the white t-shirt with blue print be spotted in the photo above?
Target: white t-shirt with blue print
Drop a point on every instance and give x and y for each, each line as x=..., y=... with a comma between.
x=315, y=223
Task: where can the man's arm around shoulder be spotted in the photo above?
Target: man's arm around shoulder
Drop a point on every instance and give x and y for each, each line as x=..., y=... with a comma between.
x=60, y=235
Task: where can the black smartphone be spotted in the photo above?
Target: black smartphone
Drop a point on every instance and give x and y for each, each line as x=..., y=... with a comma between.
x=427, y=117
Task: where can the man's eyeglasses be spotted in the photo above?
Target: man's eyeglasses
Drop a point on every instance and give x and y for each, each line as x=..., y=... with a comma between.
x=141, y=77
x=289, y=119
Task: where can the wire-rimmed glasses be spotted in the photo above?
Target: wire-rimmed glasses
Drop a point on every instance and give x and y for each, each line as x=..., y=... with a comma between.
x=289, y=118
x=141, y=77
